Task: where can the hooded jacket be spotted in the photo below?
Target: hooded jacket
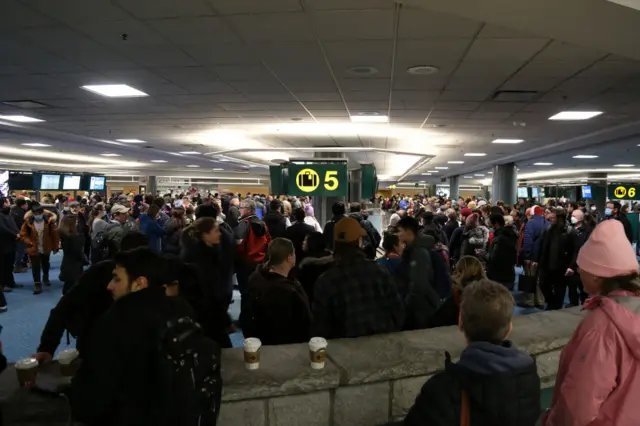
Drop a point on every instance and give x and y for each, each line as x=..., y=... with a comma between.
x=279, y=310
x=598, y=379
x=422, y=297
x=310, y=269
x=328, y=231
x=50, y=238
x=276, y=224
x=501, y=382
x=502, y=256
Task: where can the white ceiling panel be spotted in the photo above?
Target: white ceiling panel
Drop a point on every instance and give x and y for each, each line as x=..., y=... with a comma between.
x=111, y=33
x=78, y=11
x=271, y=97
x=165, y=8
x=196, y=31
x=420, y=23
x=16, y=15
x=242, y=72
x=514, y=49
x=348, y=4
x=158, y=56
x=362, y=50
x=432, y=52
x=354, y=25
x=221, y=54
x=273, y=27
x=494, y=31
x=232, y=7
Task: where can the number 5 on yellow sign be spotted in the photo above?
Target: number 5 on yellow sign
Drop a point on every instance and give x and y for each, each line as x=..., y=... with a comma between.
x=330, y=180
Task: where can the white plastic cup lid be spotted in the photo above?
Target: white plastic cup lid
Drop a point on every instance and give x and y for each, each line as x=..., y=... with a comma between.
x=26, y=363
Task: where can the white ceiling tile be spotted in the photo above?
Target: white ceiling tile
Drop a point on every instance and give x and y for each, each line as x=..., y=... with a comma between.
x=166, y=8
x=99, y=59
x=315, y=106
x=158, y=56
x=221, y=54
x=196, y=31
x=515, y=49
x=535, y=84
x=249, y=87
x=410, y=95
x=422, y=83
x=281, y=106
x=319, y=96
x=348, y=4
x=361, y=50
x=310, y=86
x=273, y=27
x=494, y=31
x=439, y=52
x=242, y=72
x=501, y=106
x=237, y=106
x=232, y=7
x=113, y=33
x=15, y=15
x=373, y=84
x=380, y=106
x=456, y=106
x=490, y=115
x=74, y=11
x=421, y=23
x=271, y=97
x=349, y=25
x=563, y=51
x=338, y=113
x=380, y=94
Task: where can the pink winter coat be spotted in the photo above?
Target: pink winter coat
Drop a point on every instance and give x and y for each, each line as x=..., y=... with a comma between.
x=598, y=382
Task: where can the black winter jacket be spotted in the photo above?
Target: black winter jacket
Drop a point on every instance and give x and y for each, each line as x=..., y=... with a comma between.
x=276, y=224
x=279, y=311
x=8, y=234
x=502, y=256
x=373, y=238
x=297, y=233
x=328, y=231
x=501, y=382
x=310, y=269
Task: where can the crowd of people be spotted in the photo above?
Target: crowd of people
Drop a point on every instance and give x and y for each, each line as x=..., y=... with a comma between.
x=137, y=268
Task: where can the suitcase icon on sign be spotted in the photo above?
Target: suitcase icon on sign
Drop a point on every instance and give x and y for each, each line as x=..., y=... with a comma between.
x=307, y=179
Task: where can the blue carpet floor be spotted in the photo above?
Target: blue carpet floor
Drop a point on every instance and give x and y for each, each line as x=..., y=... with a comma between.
x=27, y=314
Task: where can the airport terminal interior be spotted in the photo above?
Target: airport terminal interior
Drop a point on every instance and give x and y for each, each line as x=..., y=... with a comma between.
x=403, y=108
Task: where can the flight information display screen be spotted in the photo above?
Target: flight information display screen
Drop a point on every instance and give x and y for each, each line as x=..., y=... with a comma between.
x=50, y=182
x=71, y=182
x=97, y=183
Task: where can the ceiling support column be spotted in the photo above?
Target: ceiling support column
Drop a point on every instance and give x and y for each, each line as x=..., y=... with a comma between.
x=505, y=184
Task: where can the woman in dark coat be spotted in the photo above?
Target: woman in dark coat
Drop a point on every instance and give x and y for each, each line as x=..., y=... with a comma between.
x=316, y=262
x=74, y=258
x=199, y=242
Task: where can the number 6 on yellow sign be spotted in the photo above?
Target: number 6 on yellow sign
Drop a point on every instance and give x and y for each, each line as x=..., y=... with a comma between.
x=632, y=192
x=330, y=180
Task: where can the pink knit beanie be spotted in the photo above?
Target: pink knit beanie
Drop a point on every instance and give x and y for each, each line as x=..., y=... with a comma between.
x=607, y=253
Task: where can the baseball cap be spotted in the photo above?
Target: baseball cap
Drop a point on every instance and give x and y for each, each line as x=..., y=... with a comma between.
x=74, y=204
x=119, y=208
x=348, y=230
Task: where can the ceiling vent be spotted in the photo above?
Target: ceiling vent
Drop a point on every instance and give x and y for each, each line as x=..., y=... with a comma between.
x=26, y=104
x=515, y=96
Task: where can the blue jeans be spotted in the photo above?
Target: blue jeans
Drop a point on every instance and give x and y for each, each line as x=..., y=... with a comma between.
x=21, y=250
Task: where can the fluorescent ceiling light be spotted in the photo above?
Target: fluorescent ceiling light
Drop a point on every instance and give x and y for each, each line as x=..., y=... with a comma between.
x=114, y=90
x=585, y=157
x=475, y=154
x=623, y=165
x=193, y=165
x=512, y=141
x=543, y=164
x=434, y=171
x=20, y=119
x=479, y=174
x=455, y=162
x=426, y=174
x=190, y=152
x=575, y=115
x=467, y=177
x=36, y=144
x=218, y=169
x=369, y=118
x=110, y=154
x=158, y=161
x=490, y=173
x=442, y=168
x=130, y=140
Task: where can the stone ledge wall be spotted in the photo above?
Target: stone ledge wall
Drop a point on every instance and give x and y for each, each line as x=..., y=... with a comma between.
x=370, y=380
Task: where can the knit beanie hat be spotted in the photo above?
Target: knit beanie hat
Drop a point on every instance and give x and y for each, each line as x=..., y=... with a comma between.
x=607, y=253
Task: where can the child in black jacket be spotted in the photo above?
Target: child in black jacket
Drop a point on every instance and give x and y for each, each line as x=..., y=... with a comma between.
x=493, y=383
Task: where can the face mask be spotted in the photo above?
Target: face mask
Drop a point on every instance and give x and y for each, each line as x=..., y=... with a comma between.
x=38, y=217
x=608, y=212
x=593, y=208
x=574, y=220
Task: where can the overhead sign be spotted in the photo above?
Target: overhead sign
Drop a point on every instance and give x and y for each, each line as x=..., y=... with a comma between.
x=324, y=180
x=624, y=192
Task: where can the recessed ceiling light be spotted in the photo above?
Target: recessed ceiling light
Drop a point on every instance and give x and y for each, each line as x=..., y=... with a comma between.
x=513, y=141
x=218, y=169
x=475, y=154
x=585, y=157
x=362, y=70
x=575, y=115
x=190, y=152
x=543, y=164
x=442, y=168
x=115, y=90
x=455, y=162
x=130, y=140
x=158, y=161
x=110, y=154
x=369, y=118
x=467, y=177
x=490, y=173
x=422, y=70
x=623, y=165
x=435, y=171
x=36, y=145
x=426, y=174
x=20, y=119
x=479, y=174
x=193, y=165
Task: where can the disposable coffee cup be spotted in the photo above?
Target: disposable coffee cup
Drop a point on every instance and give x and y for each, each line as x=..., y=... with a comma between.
x=27, y=371
x=317, y=352
x=68, y=362
x=252, y=353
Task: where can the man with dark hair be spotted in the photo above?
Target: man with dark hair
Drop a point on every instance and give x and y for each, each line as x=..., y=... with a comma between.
x=355, y=297
x=339, y=210
x=275, y=220
x=422, y=296
x=502, y=254
x=17, y=213
x=297, y=232
x=499, y=383
x=279, y=312
x=372, y=239
x=81, y=307
x=614, y=211
x=118, y=381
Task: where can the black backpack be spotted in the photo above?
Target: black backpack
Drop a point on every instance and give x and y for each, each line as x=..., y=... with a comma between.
x=189, y=373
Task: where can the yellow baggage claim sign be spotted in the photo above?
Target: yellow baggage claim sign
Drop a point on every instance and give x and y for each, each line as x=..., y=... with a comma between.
x=624, y=192
x=323, y=180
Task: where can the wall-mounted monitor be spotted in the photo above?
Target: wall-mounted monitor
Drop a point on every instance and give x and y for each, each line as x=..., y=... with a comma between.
x=97, y=183
x=49, y=182
x=535, y=193
x=523, y=192
x=586, y=191
x=71, y=182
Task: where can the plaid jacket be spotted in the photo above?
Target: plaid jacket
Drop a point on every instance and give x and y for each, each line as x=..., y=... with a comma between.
x=356, y=297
